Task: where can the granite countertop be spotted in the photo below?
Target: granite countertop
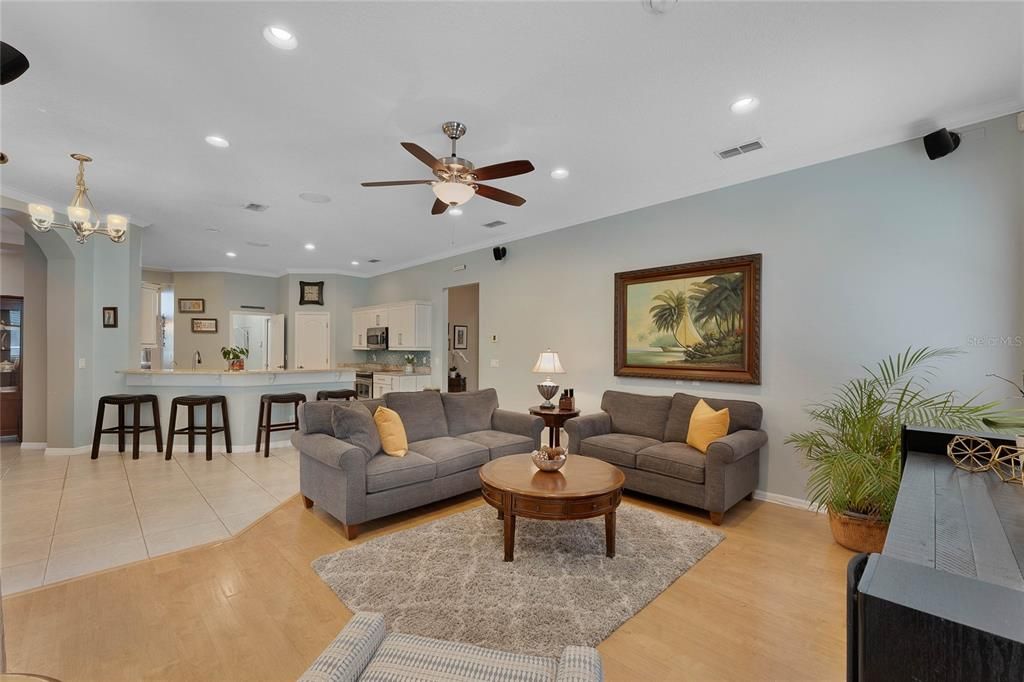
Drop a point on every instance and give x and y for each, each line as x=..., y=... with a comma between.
x=382, y=368
x=167, y=372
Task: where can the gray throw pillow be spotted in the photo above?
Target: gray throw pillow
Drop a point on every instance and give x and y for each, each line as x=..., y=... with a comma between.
x=354, y=423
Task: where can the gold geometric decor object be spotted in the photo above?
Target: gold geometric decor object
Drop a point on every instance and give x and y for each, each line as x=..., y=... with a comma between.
x=970, y=453
x=1008, y=463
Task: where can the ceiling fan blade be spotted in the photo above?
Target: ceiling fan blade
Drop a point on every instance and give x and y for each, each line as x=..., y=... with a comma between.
x=503, y=170
x=495, y=194
x=422, y=154
x=438, y=208
x=391, y=183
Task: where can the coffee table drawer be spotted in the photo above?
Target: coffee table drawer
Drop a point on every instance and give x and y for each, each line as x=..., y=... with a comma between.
x=597, y=505
x=528, y=507
x=492, y=496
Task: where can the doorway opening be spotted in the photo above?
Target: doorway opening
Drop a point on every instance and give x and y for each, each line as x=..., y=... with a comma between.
x=262, y=334
x=464, y=338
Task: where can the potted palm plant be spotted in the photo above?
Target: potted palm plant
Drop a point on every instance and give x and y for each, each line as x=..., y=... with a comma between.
x=854, y=454
x=235, y=357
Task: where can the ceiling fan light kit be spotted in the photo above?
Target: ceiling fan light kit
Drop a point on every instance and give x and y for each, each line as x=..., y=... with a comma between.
x=83, y=218
x=457, y=178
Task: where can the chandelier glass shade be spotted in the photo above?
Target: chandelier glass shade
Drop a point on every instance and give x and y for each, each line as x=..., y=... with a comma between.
x=83, y=218
x=453, y=193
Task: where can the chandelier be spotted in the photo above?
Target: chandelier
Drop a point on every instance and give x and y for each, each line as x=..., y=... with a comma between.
x=83, y=217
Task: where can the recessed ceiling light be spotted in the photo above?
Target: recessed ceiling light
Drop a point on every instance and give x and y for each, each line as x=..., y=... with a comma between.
x=310, y=247
x=314, y=198
x=560, y=173
x=744, y=105
x=217, y=141
x=230, y=254
x=280, y=38
x=455, y=211
x=355, y=262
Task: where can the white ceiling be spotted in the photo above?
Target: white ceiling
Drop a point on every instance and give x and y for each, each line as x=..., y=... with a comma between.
x=634, y=104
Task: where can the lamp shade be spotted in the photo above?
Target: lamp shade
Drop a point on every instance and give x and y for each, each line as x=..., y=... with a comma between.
x=453, y=193
x=117, y=224
x=548, y=363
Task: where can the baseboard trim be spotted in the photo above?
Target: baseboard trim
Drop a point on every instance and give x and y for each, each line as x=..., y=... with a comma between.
x=785, y=500
x=33, y=446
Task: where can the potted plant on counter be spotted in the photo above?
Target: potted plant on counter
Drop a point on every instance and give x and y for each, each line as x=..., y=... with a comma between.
x=854, y=454
x=235, y=357
x=410, y=360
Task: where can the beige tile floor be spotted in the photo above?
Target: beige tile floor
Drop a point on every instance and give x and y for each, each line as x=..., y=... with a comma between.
x=65, y=516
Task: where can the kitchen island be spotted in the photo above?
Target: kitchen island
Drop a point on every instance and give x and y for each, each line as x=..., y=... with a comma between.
x=242, y=389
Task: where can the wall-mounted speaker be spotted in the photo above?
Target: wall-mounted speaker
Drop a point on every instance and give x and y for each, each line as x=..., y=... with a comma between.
x=940, y=143
x=499, y=253
x=12, y=63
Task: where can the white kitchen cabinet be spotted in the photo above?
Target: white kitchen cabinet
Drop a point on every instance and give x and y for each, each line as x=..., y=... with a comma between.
x=409, y=326
x=391, y=383
x=362, y=319
x=149, y=316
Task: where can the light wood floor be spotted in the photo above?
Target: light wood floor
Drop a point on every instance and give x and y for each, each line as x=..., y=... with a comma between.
x=767, y=603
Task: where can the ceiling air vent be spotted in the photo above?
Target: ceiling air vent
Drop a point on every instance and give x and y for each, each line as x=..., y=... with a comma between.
x=373, y=260
x=258, y=245
x=259, y=208
x=739, y=149
x=493, y=224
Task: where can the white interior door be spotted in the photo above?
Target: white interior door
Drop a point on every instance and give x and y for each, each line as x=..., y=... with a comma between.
x=275, y=345
x=312, y=340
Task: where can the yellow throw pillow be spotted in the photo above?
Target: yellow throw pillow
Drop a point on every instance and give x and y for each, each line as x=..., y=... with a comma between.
x=706, y=425
x=392, y=432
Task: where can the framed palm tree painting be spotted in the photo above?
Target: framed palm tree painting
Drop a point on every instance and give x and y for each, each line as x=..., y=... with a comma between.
x=698, y=321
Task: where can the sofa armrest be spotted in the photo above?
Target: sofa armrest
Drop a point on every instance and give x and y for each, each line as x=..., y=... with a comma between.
x=736, y=445
x=519, y=423
x=333, y=452
x=345, y=659
x=581, y=428
x=579, y=664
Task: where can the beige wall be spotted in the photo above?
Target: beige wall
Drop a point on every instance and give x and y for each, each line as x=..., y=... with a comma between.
x=157, y=276
x=464, y=309
x=34, y=372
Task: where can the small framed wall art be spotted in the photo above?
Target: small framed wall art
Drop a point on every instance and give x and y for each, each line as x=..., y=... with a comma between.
x=110, y=317
x=192, y=306
x=204, y=325
x=311, y=293
x=461, y=334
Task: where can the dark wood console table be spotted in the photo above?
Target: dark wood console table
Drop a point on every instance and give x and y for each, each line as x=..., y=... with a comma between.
x=945, y=598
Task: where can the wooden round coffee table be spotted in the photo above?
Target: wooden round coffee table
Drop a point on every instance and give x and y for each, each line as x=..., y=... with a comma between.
x=583, y=488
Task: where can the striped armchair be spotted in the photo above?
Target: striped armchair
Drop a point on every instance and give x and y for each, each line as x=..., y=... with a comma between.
x=364, y=651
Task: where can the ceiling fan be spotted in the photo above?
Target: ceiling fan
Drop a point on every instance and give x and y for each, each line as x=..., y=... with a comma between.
x=456, y=179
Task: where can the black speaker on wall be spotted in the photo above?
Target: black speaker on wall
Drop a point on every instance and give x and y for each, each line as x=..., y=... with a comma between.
x=499, y=253
x=940, y=143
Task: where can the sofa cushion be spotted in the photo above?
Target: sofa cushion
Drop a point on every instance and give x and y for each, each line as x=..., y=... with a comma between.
x=500, y=443
x=639, y=415
x=422, y=413
x=743, y=415
x=673, y=459
x=707, y=425
x=616, y=448
x=469, y=411
x=317, y=417
x=354, y=424
x=370, y=405
x=384, y=472
x=451, y=455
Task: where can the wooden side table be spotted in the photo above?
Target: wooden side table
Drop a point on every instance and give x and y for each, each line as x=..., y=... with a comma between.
x=554, y=418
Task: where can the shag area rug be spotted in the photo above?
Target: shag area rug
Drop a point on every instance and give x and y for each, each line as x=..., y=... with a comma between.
x=447, y=579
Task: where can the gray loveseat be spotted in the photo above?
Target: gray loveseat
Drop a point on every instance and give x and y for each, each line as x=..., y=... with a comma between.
x=450, y=435
x=645, y=436
x=365, y=651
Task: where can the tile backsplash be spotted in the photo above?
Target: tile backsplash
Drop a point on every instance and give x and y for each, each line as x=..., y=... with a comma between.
x=396, y=357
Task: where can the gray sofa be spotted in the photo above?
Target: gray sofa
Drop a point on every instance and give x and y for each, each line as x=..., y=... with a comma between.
x=365, y=651
x=450, y=435
x=645, y=436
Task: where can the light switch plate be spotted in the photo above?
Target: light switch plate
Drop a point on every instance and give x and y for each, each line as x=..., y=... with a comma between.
x=81, y=363
x=495, y=363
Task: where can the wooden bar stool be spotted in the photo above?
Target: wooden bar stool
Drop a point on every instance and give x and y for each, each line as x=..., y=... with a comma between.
x=123, y=400
x=264, y=427
x=191, y=402
x=340, y=394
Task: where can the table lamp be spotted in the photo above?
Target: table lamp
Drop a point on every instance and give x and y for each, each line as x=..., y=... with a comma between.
x=548, y=363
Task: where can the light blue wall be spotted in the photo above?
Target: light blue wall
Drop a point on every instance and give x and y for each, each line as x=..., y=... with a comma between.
x=863, y=256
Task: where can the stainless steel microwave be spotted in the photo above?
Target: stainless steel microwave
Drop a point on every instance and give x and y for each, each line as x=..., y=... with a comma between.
x=377, y=338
